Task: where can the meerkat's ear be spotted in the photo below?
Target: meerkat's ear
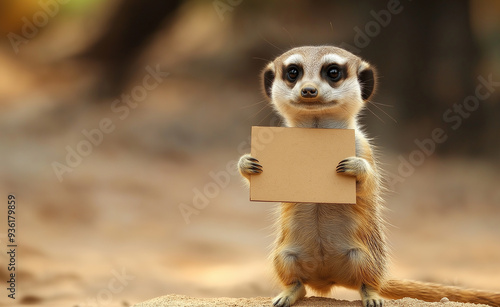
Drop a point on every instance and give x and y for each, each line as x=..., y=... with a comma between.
x=367, y=79
x=268, y=79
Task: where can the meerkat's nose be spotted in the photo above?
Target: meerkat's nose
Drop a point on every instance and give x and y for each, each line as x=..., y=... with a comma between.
x=309, y=92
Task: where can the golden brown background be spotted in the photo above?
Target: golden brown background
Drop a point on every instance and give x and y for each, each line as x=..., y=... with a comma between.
x=117, y=211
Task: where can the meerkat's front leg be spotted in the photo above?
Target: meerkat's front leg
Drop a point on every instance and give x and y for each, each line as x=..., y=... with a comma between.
x=363, y=171
x=248, y=165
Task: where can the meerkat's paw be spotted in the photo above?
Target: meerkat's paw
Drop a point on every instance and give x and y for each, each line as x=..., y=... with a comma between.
x=370, y=297
x=290, y=295
x=353, y=166
x=249, y=165
x=373, y=302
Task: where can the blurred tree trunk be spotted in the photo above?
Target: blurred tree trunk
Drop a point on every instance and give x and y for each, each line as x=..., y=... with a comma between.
x=439, y=62
x=129, y=31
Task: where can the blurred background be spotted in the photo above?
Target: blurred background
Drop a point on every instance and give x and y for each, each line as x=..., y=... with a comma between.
x=121, y=121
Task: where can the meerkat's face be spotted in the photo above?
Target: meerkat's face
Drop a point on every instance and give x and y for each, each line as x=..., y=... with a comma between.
x=318, y=80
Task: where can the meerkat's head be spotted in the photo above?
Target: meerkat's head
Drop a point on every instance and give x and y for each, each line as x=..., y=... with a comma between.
x=318, y=81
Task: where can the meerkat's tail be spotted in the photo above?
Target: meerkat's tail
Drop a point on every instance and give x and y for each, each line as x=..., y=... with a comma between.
x=397, y=289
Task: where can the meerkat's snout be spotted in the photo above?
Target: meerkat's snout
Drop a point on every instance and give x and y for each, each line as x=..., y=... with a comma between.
x=309, y=91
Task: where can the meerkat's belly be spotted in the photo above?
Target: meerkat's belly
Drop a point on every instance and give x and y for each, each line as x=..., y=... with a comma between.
x=319, y=238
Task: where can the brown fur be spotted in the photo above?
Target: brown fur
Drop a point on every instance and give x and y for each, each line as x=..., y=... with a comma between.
x=325, y=245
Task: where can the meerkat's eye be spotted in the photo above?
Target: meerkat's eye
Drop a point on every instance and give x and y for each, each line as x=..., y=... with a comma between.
x=292, y=73
x=334, y=73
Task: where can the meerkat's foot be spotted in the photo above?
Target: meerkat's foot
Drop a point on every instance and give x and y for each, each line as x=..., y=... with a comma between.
x=353, y=166
x=290, y=295
x=249, y=165
x=370, y=297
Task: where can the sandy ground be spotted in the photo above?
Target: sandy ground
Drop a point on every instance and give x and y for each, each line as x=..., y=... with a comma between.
x=185, y=301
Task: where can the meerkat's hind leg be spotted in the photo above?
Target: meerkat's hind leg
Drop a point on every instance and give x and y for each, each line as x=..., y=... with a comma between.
x=290, y=295
x=370, y=297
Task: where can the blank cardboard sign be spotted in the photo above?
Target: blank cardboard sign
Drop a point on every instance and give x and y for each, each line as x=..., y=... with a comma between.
x=299, y=165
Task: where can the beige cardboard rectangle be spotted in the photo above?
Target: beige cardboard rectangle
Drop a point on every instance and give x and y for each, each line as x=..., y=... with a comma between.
x=299, y=165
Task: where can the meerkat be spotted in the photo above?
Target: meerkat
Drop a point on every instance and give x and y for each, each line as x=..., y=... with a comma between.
x=326, y=245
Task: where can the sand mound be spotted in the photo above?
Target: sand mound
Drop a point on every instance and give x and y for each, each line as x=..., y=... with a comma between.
x=185, y=301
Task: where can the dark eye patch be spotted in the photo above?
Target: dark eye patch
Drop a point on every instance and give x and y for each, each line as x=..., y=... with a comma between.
x=333, y=73
x=292, y=73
